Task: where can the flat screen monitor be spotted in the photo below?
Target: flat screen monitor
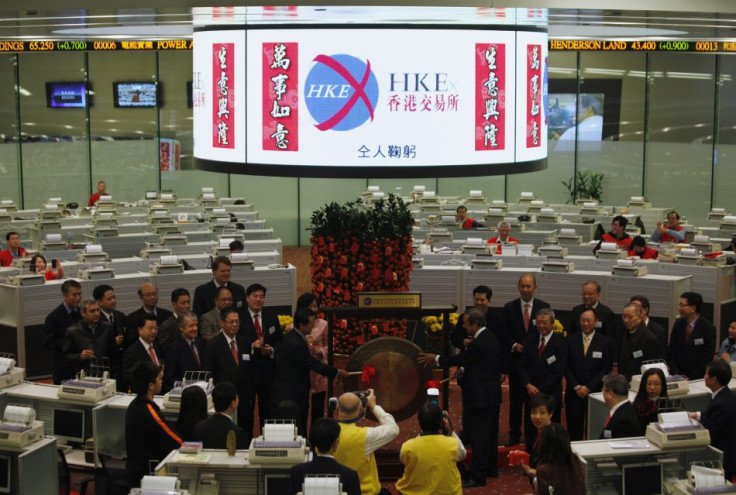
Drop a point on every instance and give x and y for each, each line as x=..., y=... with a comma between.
x=275, y=484
x=135, y=94
x=66, y=95
x=5, y=477
x=642, y=479
x=69, y=425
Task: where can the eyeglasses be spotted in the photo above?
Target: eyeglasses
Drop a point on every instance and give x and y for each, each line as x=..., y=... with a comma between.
x=224, y=298
x=232, y=322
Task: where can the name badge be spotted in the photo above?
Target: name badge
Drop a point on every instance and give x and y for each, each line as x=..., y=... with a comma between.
x=599, y=325
x=606, y=433
x=638, y=354
x=597, y=355
x=245, y=357
x=551, y=360
x=239, y=305
x=271, y=330
x=698, y=342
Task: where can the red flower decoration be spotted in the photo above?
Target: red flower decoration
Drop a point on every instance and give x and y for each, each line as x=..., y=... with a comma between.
x=432, y=384
x=368, y=372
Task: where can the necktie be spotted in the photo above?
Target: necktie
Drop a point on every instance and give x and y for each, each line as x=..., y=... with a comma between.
x=527, y=316
x=541, y=349
x=112, y=320
x=257, y=324
x=586, y=344
x=688, y=332
x=74, y=315
x=608, y=420
x=152, y=355
x=234, y=351
x=194, y=351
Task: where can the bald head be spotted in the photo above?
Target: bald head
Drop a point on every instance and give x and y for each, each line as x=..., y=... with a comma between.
x=348, y=406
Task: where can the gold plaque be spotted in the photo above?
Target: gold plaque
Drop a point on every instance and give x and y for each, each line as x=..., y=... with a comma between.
x=389, y=300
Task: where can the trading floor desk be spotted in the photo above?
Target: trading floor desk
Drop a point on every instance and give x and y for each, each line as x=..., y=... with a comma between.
x=235, y=474
x=697, y=399
x=30, y=470
x=605, y=467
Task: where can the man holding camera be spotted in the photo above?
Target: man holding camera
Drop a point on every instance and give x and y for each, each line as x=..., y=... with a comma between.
x=358, y=443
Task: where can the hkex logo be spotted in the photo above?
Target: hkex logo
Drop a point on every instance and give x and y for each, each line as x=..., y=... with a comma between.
x=341, y=92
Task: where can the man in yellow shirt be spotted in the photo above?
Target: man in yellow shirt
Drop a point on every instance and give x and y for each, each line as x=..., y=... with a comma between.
x=358, y=443
x=430, y=460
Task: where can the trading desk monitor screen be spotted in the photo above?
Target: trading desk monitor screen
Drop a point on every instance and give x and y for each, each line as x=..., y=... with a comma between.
x=69, y=425
x=135, y=94
x=642, y=479
x=66, y=95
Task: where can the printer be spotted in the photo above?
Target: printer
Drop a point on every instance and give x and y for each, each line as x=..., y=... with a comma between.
x=280, y=445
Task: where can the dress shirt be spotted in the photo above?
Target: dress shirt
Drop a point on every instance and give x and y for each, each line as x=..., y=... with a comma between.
x=699, y=413
x=378, y=436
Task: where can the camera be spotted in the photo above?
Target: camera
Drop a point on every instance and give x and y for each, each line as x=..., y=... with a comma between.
x=433, y=396
x=363, y=396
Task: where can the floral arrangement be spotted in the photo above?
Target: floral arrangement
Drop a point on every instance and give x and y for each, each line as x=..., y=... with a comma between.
x=286, y=322
x=433, y=326
x=356, y=249
x=558, y=328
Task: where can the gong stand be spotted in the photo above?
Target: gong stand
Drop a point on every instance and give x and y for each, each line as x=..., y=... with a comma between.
x=394, y=358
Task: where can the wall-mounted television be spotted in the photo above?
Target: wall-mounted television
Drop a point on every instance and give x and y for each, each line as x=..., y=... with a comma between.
x=135, y=94
x=66, y=95
x=69, y=425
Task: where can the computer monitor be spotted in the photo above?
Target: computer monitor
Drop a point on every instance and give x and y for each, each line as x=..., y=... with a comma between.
x=642, y=479
x=5, y=477
x=69, y=425
x=276, y=484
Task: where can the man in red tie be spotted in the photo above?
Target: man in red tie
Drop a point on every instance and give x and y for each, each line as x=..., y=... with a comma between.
x=143, y=349
x=622, y=420
x=519, y=316
x=542, y=365
x=261, y=328
x=693, y=339
x=229, y=357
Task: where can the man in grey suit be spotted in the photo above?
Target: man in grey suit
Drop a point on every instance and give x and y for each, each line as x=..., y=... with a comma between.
x=209, y=323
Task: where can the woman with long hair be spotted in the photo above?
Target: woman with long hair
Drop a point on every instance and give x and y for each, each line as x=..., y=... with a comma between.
x=559, y=471
x=653, y=386
x=193, y=409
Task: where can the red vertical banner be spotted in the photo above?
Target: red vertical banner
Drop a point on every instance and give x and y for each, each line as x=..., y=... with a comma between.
x=534, y=96
x=223, y=99
x=490, y=96
x=280, y=130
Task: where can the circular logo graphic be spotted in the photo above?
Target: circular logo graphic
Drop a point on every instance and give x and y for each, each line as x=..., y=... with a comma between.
x=341, y=92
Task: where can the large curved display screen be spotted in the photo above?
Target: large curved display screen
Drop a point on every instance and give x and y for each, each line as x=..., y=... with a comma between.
x=366, y=101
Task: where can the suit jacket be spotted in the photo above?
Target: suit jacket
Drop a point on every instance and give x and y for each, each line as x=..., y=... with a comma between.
x=79, y=337
x=167, y=331
x=720, y=419
x=262, y=367
x=690, y=358
x=514, y=318
x=321, y=464
x=54, y=336
x=635, y=349
x=131, y=323
x=204, y=296
x=209, y=324
x=119, y=321
x=180, y=359
x=661, y=334
x=212, y=432
x=293, y=363
x=588, y=370
x=609, y=323
x=497, y=326
x=481, y=383
x=136, y=352
x=219, y=360
x=545, y=373
x=624, y=423
x=118, y=326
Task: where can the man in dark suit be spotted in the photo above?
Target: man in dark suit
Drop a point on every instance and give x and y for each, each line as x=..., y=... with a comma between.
x=262, y=330
x=693, y=339
x=636, y=344
x=106, y=298
x=143, y=349
x=589, y=358
x=229, y=357
x=607, y=322
x=213, y=431
x=622, y=420
x=293, y=364
x=169, y=329
x=186, y=350
x=90, y=339
x=204, y=295
x=481, y=393
x=519, y=316
x=148, y=294
x=541, y=368
x=654, y=327
x=54, y=332
x=720, y=416
x=324, y=436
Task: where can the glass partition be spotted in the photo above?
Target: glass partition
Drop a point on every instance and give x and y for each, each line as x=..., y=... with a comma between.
x=725, y=171
x=9, y=170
